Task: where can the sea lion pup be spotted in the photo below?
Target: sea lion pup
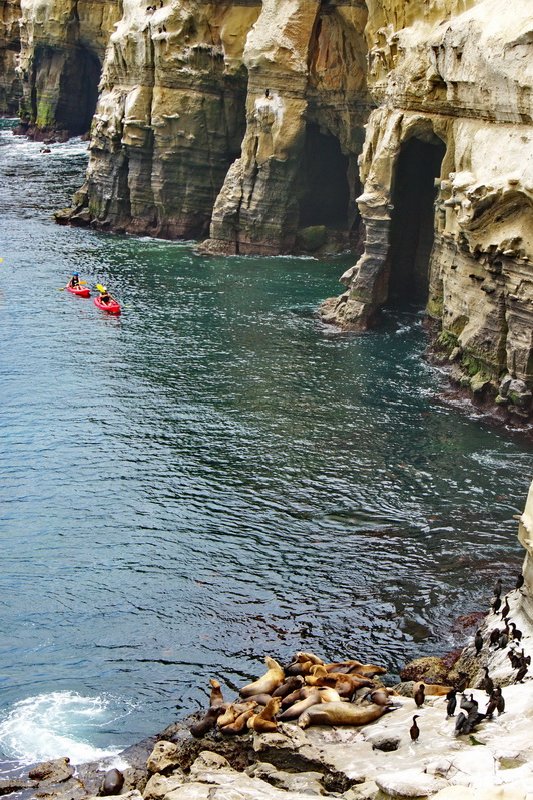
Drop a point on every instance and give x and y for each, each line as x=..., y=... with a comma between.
x=310, y=696
x=215, y=697
x=288, y=686
x=264, y=722
x=207, y=723
x=231, y=713
x=240, y=723
x=266, y=684
x=341, y=714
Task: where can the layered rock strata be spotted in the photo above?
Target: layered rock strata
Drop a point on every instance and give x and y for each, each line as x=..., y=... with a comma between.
x=305, y=109
x=10, y=83
x=447, y=172
x=62, y=48
x=241, y=120
x=170, y=118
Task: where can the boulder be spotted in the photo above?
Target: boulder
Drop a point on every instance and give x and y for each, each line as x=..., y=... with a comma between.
x=55, y=771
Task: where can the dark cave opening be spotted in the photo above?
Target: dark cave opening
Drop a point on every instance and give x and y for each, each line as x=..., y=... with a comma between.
x=78, y=93
x=412, y=224
x=325, y=191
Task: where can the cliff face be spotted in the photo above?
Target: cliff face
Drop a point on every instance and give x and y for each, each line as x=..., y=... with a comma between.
x=282, y=125
x=447, y=168
x=62, y=48
x=170, y=118
x=245, y=116
x=10, y=84
x=305, y=108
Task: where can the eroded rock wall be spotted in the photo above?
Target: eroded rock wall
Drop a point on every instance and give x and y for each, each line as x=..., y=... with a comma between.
x=62, y=49
x=170, y=117
x=305, y=109
x=453, y=76
x=10, y=83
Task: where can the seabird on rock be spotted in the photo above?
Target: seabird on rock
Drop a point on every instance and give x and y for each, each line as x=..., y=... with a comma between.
x=506, y=608
x=519, y=581
x=478, y=641
x=420, y=696
x=414, y=730
x=498, y=588
x=451, y=697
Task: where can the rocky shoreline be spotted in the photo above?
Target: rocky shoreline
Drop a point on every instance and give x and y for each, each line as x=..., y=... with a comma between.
x=296, y=759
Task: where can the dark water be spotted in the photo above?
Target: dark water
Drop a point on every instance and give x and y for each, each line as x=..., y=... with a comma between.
x=212, y=477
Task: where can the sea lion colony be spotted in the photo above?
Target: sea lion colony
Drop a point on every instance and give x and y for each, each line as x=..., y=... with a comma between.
x=311, y=692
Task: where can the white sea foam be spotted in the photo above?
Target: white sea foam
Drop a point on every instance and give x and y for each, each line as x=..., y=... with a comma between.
x=53, y=725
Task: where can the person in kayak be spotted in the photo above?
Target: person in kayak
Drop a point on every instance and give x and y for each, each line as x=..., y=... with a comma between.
x=105, y=297
x=74, y=281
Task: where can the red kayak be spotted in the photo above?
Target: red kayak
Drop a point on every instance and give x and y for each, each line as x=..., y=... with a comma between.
x=79, y=291
x=112, y=307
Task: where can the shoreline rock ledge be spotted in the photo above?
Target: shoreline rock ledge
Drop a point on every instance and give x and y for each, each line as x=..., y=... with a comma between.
x=490, y=759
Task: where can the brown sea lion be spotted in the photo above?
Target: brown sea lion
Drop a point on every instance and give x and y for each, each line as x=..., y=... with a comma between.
x=341, y=714
x=113, y=782
x=266, y=684
x=264, y=722
x=368, y=670
x=261, y=699
x=329, y=695
x=293, y=697
x=240, y=723
x=215, y=697
x=346, y=685
x=343, y=666
x=380, y=697
x=301, y=656
x=288, y=686
x=310, y=697
x=231, y=713
x=207, y=723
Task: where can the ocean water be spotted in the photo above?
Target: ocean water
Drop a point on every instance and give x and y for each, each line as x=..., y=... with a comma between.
x=212, y=477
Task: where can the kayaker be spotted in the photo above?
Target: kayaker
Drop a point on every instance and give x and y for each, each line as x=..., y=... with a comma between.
x=105, y=297
x=74, y=281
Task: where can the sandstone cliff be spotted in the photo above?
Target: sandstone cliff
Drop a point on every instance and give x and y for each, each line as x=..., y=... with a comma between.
x=282, y=126
x=447, y=172
x=10, y=84
x=62, y=48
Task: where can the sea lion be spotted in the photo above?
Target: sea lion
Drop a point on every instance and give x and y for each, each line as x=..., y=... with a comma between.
x=264, y=722
x=215, y=697
x=341, y=714
x=288, y=686
x=310, y=697
x=266, y=684
x=233, y=711
x=380, y=697
x=261, y=699
x=329, y=695
x=207, y=723
x=240, y=723
x=293, y=697
x=346, y=685
x=343, y=666
x=368, y=670
x=112, y=783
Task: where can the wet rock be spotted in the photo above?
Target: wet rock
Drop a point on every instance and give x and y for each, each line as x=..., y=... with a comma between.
x=383, y=740
x=10, y=785
x=312, y=238
x=55, y=771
